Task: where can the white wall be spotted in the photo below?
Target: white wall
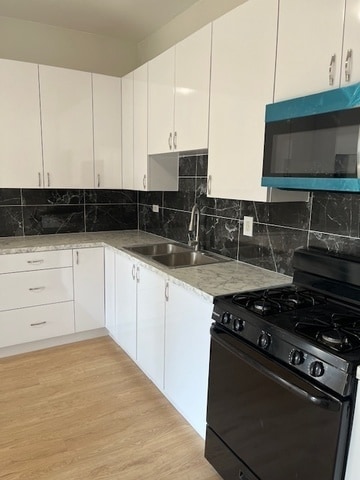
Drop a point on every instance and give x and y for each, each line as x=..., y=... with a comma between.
x=195, y=17
x=49, y=45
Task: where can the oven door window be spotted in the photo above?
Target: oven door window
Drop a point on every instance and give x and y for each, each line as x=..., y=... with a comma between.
x=278, y=424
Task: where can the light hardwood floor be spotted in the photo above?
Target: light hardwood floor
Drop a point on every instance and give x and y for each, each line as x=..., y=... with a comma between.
x=84, y=411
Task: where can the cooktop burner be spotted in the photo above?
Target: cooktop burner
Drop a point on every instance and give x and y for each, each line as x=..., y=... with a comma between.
x=268, y=302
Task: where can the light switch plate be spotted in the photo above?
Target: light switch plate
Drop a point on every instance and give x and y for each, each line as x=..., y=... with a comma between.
x=248, y=226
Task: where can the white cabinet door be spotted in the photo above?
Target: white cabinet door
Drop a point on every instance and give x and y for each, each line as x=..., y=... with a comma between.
x=125, y=304
x=161, y=102
x=187, y=347
x=107, y=131
x=66, y=116
x=110, y=319
x=141, y=180
x=351, y=42
x=20, y=133
x=243, y=63
x=89, y=288
x=310, y=36
x=127, y=86
x=150, y=325
x=192, y=85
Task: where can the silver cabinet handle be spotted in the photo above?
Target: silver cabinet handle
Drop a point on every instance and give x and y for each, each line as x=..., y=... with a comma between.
x=209, y=184
x=35, y=262
x=133, y=272
x=36, y=289
x=77, y=257
x=332, y=69
x=175, y=140
x=37, y=324
x=167, y=291
x=39, y=179
x=144, y=182
x=48, y=179
x=98, y=180
x=170, y=141
x=348, y=64
x=138, y=274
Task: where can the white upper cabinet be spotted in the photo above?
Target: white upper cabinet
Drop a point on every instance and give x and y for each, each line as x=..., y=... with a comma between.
x=242, y=82
x=127, y=85
x=67, y=127
x=309, y=47
x=161, y=102
x=107, y=131
x=20, y=134
x=350, y=72
x=179, y=95
x=141, y=173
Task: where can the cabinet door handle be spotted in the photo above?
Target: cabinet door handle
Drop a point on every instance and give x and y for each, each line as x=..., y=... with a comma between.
x=77, y=257
x=48, y=179
x=348, y=62
x=133, y=272
x=144, y=182
x=170, y=141
x=37, y=324
x=332, y=69
x=138, y=274
x=39, y=179
x=175, y=140
x=167, y=291
x=35, y=262
x=209, y=184
x=98, y=180
x=36, y=289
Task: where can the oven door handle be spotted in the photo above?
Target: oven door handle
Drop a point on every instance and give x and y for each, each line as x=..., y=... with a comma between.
x=309, y=393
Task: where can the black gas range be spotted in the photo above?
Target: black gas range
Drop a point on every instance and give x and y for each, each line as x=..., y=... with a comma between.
x=296, y=346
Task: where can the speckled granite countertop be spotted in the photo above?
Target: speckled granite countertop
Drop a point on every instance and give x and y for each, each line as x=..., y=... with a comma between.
x=206, y=280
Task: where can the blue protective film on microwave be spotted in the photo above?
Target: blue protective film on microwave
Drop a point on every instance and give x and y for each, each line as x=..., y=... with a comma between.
x=329, y=101
x=311, y=183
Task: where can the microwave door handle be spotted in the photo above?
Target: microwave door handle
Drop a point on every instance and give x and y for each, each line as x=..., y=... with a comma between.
x=358, y=155
x=323, y=401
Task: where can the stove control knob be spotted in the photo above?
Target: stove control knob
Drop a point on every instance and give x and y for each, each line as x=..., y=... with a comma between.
x=238, y=324
x=317, y=369
x=226, y=318
x=264, y=340
x=296, y=357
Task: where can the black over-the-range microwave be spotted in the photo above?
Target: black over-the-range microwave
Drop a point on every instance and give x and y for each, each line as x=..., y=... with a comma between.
x=313, y=142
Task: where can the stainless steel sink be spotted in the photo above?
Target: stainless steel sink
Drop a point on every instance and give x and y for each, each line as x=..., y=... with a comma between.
x=158, y=249
x=188, y=259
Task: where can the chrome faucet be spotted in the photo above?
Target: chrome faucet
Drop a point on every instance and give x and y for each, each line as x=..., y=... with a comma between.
x=193, y=233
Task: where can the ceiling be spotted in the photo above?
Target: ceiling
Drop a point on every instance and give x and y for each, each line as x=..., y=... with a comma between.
x=131, y=20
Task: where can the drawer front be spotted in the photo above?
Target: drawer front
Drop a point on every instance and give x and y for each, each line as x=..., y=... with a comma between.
x=27, y=289
x=36, y=323
x=23, y=262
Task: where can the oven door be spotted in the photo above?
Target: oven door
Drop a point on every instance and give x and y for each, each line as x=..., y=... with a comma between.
x=267, y=423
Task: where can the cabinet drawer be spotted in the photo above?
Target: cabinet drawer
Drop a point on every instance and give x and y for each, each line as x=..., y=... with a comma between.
x=22, y=262
x=36, y=323
x=27, y=289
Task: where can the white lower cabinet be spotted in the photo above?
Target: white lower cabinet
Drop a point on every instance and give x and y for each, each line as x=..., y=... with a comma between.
x=125, y=304
x=89, y=288
x=110, y=319
x=36, y=323
x=151, y=324
x=187, y=347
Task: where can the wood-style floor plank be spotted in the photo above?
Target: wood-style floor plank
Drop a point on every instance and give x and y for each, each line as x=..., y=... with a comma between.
x=84, y=411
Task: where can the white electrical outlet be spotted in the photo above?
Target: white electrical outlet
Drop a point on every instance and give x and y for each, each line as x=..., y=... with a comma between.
x=155, y=208
x=248, y=226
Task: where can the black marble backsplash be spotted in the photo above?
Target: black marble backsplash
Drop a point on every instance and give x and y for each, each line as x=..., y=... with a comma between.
x=329, y=221
x=48, y=211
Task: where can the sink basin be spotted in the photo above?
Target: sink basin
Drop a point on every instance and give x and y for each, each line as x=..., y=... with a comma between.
x=188, y=259
x=158, y=249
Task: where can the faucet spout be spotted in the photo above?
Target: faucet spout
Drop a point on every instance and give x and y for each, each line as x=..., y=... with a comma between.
x=193, y=232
